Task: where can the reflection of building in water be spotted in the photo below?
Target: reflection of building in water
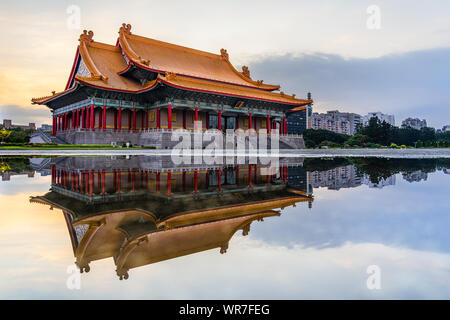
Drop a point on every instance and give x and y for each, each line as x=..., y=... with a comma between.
x=6, y=175
x=390, y=181
x=340, y=177
x=121, y=209
x=446, y=170
x=415, y=176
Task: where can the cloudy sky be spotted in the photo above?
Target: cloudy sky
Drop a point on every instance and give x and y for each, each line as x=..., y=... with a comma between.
x=327, y=47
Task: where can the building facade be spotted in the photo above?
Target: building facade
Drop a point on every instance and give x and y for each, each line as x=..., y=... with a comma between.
x=141, y=89
x=389, y=118
x=8, y=124
x=415, y=123
x=339, y=122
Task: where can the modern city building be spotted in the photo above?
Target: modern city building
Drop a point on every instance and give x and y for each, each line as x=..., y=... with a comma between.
x=389, y=118
x=335, y=179
x=414, y=123
x=8, y=124
x=339, y=122
x=141, y=89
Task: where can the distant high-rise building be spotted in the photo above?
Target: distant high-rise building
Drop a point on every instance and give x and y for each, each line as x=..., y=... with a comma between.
x=336, y=121
x=415, y=123
x=389, y=118
x=7, y=124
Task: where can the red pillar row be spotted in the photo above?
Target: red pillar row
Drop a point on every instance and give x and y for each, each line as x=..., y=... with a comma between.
x=220, y=120
x=196, y=119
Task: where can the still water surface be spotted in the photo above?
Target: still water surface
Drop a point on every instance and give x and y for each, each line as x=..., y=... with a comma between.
x=309, y=230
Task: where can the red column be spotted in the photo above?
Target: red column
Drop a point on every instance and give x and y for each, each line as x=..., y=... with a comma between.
x=73, y=119
x=104, y=118
x=120, y=118
x=91, y=182
x=207, y=120
x=53, y=174
x=158, y=176
x=220, y=120
x=158, y=119
x=146, y=120
x=142, y=120
x=92, y=118
x=169, y=183
x=184, y=119
x=196, y=119
x=284, y=174
x=250, y=175
x=169, y=117
x=268, y=124
x=134, y=119
x=195, y=181
x=78, y=118
x=249, y=120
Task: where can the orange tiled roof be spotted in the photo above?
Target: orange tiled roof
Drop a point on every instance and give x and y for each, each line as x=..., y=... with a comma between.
x=166, y=57
x=105, y=62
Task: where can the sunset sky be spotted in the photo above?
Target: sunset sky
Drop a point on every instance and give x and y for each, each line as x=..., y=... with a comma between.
x=324, y=47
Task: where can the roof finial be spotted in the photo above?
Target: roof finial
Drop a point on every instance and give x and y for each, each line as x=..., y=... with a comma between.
x=246, y=72
x=125, y=28
x=224, y=53
x=86, y=36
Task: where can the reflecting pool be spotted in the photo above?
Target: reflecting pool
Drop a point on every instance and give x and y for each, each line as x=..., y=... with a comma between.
x=144, y=227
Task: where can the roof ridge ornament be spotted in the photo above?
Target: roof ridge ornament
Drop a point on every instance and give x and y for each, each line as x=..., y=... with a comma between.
x=224, y=54
x=246, y=72
x=125, y=28
x=86, y=37
x=170, y=75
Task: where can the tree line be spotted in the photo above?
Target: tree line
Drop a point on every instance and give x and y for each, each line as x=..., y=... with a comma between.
x=378, y=134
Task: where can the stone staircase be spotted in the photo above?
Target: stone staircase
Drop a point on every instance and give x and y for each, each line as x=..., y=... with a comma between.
x=45, y=136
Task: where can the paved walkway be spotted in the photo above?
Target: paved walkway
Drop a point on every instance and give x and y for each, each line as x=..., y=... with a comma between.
x=306, y=153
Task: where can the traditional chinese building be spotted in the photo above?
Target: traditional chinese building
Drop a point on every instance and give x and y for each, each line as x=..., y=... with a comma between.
x=141, y=89
x=120, y=209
